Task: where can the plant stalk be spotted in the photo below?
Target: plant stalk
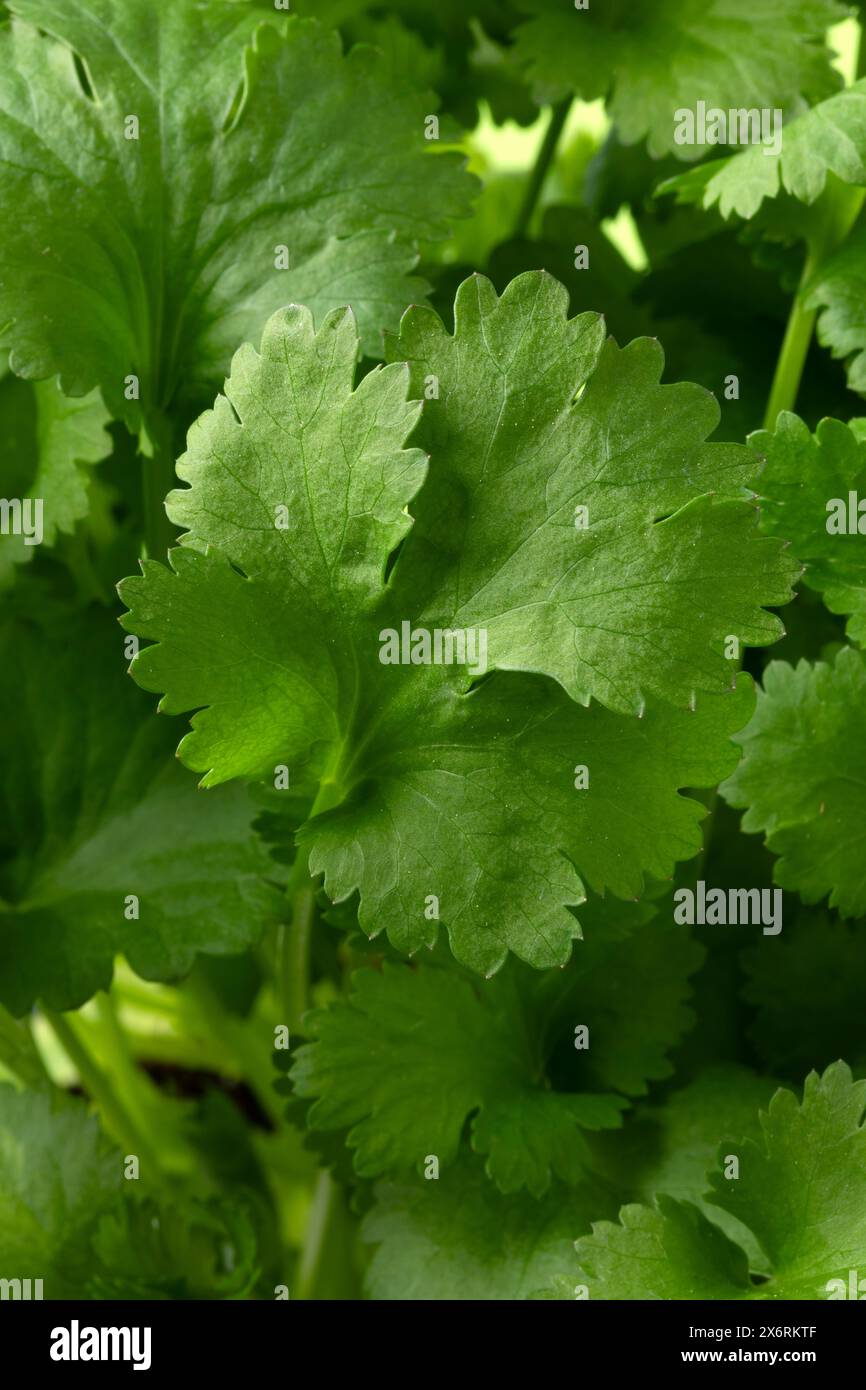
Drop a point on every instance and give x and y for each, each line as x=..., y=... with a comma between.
x=157, y=480
x=541, y=167
x=322, y=1214
x=843, y=207
x=94, y=1080
x=295, y=938
x=295, y=945
x=793, y=353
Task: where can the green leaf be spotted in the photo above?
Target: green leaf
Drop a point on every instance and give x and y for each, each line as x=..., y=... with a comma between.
x=837, y=291
x=95, y=809
x=800, y=1191
x=465, y=46
x=808, y=993
x=185, y=1250
x=58, y=1176
x=802, y=1187
x=48, y=440
x=19, y=1055
x=290, y=433
x=667, y=1251
x=668, y=1147
x=801, y=476
x=270, y=623
x=693, y=299
x=68, y=1218
x=692, y=1123
x=649, y=61
x=503, y=1051
x=829, y=139
x=803, y=777
x=631, y=1029
x=479, y=809
x=636, y=601
x=163, y=237
x=460, y=1051
x=458, y=1238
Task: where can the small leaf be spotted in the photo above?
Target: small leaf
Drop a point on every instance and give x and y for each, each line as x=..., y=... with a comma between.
x=98, y=813
x=456, y=1237
x=803, y=777
x=48, y=441
x=801, y=1192
x=805, y=482
x=650, y=61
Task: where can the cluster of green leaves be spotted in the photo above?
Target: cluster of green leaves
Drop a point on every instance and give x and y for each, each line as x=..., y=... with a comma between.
x=254, y=369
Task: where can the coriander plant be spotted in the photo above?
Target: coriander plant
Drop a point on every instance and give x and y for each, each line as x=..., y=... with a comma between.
x=450, y=418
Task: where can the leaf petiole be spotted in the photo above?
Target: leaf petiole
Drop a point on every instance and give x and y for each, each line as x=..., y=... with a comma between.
x=116, y=1114
x=541, y=167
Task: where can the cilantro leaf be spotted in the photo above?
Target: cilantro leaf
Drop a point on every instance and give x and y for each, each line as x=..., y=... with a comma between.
x=68, y=1218
x=669, y=1250
x=459, y=1052
x=270, y=623
x=636, y=593
x=503, y=1051
x=803, y=776
x=58, y=1176
x=181, y=1250
x=170, y=277
x=694, y=1120
x=808, y=993
x=800, y=1191
x=96, y=811
x=631, y=1030
x=461, y=49
x=829, y=139
x=344, y=493
x=48, y=440
x=19, y=1055
x=648, y=61
x=801, y=476
x=668, y=1147
x=836, y=291
x=478, y=809
x=458, y=1238
x=802, y=1186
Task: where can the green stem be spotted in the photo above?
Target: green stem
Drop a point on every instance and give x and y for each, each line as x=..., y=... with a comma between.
x=841, y=205
x=322, y=1215
x=94, y=1080
x=793, y=353
x=295, y=944
x=541, y=167
x=157, y=480
x=144, y=1100
x=295, y=939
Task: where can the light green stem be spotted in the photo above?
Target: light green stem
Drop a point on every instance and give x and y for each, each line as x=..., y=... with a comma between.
x=94, y=1080
x=840, y=205
x=295, y=940
x=322, y=1214
x=793, y=353
x=294, y=948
